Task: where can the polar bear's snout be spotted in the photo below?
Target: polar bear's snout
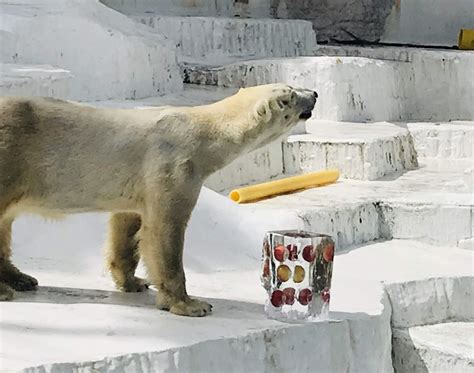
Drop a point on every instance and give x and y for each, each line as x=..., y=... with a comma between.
x=306, y=99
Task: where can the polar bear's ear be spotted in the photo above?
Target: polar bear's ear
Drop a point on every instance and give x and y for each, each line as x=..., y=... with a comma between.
x=263, y=111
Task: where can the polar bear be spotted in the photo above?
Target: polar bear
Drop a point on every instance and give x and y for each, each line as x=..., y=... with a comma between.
x=146, y=167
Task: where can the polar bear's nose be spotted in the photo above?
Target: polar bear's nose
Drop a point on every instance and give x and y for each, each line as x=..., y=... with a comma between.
x=315, y=94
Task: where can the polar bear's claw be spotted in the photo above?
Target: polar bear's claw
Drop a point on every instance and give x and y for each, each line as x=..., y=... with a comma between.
x=188, y=307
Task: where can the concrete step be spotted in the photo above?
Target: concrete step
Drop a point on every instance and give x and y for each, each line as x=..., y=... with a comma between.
x=452, y=140
x=222, y=39
x=432, y=204
x=34, y=80
x=401, y=54
x=433, y=301
x=69, y=264
x=125, y=59
x=360, y=88
x=366, y=151
x=440, y=348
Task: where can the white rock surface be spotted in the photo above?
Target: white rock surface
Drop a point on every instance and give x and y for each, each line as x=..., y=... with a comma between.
x=108, y=54
x=120, y=324
x=218, y=38
x=452, y=140
x=467, y=244
x=436, y=348
x=366, y=151
x=257, y=166
x=430, y=204
x=343, y=95
x=429, y=86
x=436, y=300
x=435, y=222
x=125, y=332
x=77, y=322
x=34, y=80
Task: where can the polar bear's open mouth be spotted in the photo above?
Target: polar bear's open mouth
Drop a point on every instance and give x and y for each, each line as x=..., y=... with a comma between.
x=305, y=114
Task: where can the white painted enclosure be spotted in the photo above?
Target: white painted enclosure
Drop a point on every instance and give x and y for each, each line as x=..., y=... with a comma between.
x=398, y=123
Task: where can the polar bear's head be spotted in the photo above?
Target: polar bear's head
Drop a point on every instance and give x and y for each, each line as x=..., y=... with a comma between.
x=276, y=109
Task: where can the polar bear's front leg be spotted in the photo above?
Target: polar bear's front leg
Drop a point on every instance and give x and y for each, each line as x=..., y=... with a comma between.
x=161, y=247
x=11, y=278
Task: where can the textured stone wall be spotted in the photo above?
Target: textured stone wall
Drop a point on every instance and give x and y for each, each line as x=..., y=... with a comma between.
x=425, y=22
x=365, y=18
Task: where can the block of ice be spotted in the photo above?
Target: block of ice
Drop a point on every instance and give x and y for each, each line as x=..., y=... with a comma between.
x=296, y=272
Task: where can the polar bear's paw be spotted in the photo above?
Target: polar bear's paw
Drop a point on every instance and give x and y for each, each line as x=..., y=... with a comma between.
x=134, y=285
x=19, y=281
x=191, y=307
x=187, y=307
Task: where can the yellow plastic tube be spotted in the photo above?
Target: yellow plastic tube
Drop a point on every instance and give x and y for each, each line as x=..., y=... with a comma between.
x=466, y=39
x=286, y=185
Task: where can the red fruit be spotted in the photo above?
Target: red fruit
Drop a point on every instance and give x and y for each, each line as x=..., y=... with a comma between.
x=266, y=268
x=289, y=296
x=309, y=254
x=266, y=248
x=281, y=253
x=325, y=295
x=278, y=298
x=292, y=252
x=305, y=296
x=328, y=253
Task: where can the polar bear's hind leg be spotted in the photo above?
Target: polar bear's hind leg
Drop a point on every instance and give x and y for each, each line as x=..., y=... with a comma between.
x=122, y=251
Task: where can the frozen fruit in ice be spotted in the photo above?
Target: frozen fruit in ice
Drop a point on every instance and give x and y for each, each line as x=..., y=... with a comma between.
x=309, y=254
x=305, y=296
x=281, y=253
x=328, y=252
x=292, y=252
x=266, y=248
x=266, y=268
x=325, y=295
x=283, y=273
x=289, y=296
x=298, y=274
x=278, y=298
